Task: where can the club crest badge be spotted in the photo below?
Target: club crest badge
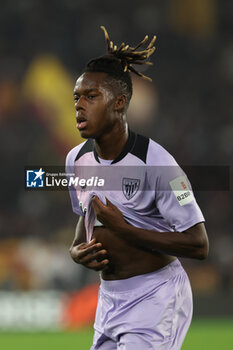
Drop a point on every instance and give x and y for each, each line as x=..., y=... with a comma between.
x=130, y=187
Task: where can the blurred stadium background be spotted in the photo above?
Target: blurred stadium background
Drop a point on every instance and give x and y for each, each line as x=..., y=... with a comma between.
x=188, y=109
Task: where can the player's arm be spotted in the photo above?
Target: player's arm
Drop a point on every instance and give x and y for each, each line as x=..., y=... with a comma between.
x=192, y=243
x=91, y=255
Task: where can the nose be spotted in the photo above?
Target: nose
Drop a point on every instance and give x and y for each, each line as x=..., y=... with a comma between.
x=80, y=103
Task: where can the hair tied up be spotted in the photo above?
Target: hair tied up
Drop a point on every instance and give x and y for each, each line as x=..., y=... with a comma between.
x=129, y=56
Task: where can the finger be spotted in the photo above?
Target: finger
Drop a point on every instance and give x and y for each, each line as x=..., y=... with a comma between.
x=84, y=245
x=93, y=241
x=97, y=266
x=100, y=255
x=95, y=207
x=79, y=253
x=98, y=202
x=91, y=249
x=78, y=247
x=109, y=203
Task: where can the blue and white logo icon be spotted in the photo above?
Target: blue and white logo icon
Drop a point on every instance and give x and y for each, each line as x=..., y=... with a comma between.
x=35, y=178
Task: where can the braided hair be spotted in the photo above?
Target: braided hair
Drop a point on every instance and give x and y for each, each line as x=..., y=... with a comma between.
x=119, y=61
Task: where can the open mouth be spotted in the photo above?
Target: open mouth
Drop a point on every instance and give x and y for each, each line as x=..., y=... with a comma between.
x=81, y=122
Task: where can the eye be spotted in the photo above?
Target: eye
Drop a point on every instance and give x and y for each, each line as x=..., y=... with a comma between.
x=76, y=98
x=91, y=97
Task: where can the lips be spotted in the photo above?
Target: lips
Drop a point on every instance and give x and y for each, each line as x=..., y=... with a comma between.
x=81, y=122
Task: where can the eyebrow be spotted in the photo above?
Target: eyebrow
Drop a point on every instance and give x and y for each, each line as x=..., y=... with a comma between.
x=86, y=91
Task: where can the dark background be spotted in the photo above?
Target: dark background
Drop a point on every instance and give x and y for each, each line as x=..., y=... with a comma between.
x=188, y=109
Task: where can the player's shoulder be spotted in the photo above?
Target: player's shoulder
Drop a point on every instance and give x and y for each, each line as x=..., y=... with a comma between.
x=78, y=151
x=151, y=152
x=158, y=155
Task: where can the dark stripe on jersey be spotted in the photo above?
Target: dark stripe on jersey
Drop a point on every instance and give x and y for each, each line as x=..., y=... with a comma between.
x=96, y=155
x=128, y=147
x=141, y=147
x=87, y=147
x=136, y=145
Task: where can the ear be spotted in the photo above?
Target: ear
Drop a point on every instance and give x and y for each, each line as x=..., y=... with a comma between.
x=120, y=102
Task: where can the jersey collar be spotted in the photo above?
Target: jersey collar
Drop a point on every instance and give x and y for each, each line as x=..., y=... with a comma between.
x=128, y=147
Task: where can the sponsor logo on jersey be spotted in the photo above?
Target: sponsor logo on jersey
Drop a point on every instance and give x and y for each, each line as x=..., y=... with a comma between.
x=130, y=187
x=181, y=190
x=35, y=178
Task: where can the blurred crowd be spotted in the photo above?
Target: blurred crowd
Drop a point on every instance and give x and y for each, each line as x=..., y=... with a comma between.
x=188, y=109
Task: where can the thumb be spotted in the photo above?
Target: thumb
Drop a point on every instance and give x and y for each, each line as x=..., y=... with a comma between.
x=109, y=204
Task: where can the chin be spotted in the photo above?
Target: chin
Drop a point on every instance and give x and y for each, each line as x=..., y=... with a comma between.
x=85, y=134
x=90, y=133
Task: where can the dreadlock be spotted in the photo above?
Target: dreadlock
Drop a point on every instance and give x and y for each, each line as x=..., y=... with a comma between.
x=119, y=61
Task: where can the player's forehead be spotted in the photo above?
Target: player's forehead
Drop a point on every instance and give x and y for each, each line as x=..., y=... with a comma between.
x=89, y=81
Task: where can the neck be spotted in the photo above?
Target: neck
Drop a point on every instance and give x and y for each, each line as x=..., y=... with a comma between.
x=110, y=145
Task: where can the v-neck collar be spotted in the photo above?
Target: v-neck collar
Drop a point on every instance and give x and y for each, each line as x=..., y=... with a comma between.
x=127, y=148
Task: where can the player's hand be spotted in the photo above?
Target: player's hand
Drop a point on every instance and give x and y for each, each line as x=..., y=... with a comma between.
x=109, y=215
x=91, y=255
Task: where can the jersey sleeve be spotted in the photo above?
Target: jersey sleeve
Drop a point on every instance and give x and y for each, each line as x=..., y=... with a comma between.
x=176, y=202
x=70, y=171
x=174, y=197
